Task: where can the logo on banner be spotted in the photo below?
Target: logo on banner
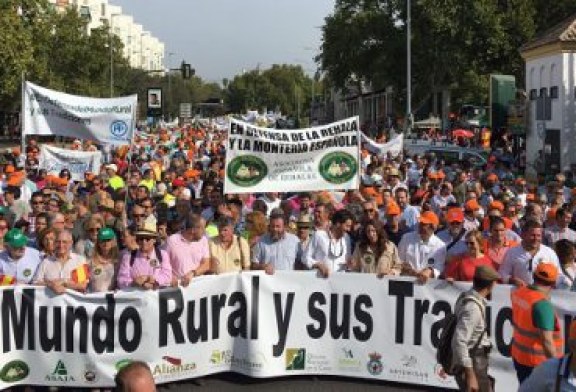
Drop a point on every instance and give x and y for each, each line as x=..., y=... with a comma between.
x=295, y=358
x=60, y=374
x=374, y=365
x=90, y=373
x=119, y=128
x=14, y=371
x=221, y=357
x=338, y=167
x=247, y=170
x=172, y=366
x=348, y=361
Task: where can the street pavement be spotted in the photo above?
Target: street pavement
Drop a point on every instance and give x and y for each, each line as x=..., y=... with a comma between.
x=234, y=382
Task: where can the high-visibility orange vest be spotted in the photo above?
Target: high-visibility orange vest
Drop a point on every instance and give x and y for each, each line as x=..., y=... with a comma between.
x=527, y=347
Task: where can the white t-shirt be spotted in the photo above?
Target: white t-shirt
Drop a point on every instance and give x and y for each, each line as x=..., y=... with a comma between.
x=420, y=254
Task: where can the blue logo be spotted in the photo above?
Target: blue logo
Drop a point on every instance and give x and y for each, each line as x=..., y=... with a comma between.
x=119, y=128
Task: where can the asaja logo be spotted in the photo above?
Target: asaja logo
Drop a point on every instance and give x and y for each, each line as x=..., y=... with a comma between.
x=119, y=128
x=348, y=361
x=295, y=358
x=246, y=170
x=14, y=371
x=338, y=167
x=60, y=374
x=374, y=365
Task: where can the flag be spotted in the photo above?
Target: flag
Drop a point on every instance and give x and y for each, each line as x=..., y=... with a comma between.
x=6, y=280
x=81, y=274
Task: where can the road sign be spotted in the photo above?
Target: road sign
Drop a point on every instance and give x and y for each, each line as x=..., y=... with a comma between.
x=185, y=110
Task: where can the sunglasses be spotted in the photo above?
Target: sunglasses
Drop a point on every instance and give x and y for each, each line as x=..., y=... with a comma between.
x=138, y=215
x=94, y=228
x=140, y=239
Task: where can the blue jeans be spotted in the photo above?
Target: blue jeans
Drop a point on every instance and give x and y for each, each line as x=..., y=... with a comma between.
x=522, y=372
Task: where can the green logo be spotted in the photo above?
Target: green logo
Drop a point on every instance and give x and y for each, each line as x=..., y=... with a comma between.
x=246, y=170
x=295, y=358
x=27, y=272
x=97, y=271
x=122, y=364
x=338, y=167
x=14, y=371
x=60, y=369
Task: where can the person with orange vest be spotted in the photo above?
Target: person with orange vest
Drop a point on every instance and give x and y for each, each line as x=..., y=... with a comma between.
x=537, y=336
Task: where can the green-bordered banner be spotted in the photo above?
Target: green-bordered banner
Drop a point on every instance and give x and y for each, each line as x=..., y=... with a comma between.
x=312, y=159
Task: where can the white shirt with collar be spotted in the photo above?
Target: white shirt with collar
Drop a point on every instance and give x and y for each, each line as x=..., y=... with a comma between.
x=516, y=263
x=24, y=269
x=420, y=254
x=332, y=252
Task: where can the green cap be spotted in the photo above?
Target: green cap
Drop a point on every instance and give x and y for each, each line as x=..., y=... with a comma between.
x=15, y=238
x=3, y=210
x=106, y=234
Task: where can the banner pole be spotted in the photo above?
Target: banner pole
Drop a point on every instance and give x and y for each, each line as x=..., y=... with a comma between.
x=22, y=115
x=129, y=157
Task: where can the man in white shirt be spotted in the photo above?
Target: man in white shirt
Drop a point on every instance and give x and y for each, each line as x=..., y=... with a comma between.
x=520, y=261
x=421, y=251
x=453, y=235
x=18, y=263
x=331, y=250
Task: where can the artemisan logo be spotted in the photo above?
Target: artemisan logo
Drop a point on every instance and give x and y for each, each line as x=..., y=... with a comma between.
x=60, y=374
x=172, y=366
x=119, y=129
x=295, y=358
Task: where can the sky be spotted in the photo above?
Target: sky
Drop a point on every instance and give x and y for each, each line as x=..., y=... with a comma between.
x=221, y=38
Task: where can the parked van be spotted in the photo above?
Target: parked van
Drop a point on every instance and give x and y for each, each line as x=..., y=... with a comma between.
x=447, y=152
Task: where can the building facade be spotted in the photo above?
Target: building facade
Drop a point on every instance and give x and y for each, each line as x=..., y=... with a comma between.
x=141, y=48
x=551, y=87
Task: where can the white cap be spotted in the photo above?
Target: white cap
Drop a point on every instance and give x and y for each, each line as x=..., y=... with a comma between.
x=113, y=167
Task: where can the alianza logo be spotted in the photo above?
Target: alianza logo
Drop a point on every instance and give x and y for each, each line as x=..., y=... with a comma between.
x=60, y=374
x=173, y=366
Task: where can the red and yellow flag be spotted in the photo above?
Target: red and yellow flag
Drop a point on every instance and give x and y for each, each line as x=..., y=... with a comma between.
x=7, y=280
x=81, y=274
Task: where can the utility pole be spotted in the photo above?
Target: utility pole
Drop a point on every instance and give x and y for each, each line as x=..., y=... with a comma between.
x=409, y=68
x=170, y=54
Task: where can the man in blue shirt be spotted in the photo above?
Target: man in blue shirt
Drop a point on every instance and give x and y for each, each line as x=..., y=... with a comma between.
x=277, y=249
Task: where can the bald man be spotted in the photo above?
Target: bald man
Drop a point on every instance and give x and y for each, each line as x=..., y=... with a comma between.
x=135, y=377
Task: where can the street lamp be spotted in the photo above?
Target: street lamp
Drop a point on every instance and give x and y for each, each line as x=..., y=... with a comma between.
x=111, y=33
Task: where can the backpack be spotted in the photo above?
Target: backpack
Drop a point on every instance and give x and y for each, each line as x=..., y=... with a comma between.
x=444, y=351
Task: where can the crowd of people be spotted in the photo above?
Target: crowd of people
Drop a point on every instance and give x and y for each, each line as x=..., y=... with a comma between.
x=156, y=216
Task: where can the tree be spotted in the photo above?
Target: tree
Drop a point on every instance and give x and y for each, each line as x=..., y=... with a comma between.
x=456, y=44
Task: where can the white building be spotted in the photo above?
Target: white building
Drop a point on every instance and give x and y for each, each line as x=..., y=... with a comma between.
x=551, y=87
x=141, y=49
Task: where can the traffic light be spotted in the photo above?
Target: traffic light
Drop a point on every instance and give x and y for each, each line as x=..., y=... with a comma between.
x=187, y=70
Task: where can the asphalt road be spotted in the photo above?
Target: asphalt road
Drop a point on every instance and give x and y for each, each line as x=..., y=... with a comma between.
x=233, y=382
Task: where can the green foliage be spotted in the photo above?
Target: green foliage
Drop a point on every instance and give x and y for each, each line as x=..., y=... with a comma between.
x=455, y=44
x=284, y=87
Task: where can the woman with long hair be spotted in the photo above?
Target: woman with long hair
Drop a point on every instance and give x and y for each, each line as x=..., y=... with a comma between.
x=85, y=246
x=374, y=253
x=461, y=268
x=104, y=262
x=47, y=242
x=256, y=226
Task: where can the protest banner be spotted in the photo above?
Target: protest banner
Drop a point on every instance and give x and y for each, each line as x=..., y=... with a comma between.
x=394, y=147
x=104, y=120
x=54, y=159
x=290, y=323
x=267, y=160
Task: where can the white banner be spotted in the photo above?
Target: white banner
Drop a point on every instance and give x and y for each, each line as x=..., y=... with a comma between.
x=104, y=120
x=291, y=323
x=394, y=146
x=54, y=159
x=267, y=160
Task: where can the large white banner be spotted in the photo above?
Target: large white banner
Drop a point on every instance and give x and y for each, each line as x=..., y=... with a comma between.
x=105, y=120
x=394, y=147
x=54, y=159
x=291, y=323
x=272, y=160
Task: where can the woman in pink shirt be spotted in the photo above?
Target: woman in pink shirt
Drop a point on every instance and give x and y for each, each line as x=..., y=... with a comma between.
x=148, y=267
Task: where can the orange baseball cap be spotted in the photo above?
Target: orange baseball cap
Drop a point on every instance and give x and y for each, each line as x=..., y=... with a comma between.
x=432, y=176
x=520, y=181
x=530, y=197
x=492, y=177
x=497, y=205
x=551, y=213
x=454, y=215
x=9, y=169
x=546, y=272
x=369, y=191
x=440, y=175
x=392, y=209
x=472, y=205
x=429, y=218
